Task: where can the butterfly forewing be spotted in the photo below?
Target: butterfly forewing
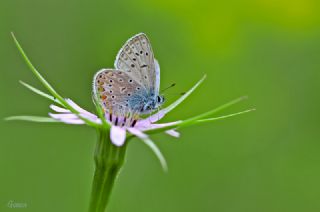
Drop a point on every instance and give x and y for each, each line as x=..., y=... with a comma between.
x=136, y=58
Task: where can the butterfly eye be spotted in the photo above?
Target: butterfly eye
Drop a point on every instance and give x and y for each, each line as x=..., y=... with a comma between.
x=160, y=99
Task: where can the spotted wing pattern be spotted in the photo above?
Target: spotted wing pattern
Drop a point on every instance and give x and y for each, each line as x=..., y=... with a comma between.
x=137, y=60
x=116, y=91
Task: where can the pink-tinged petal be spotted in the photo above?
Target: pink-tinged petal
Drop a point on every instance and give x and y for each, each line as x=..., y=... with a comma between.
x=63, y=116
x=157, y=116
x=137, y=132
x=66, y=118
x=151, y=119
x=143, y=124
x=79, y=109
x=90, y=117
x=59, y=109
x=71, y=118
x=117, y=135
x=173, y=133
x=72, y=121
x=145, y=127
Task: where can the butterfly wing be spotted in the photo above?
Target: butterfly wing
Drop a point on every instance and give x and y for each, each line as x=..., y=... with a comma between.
x=137, y=60
x=157, y=76
x=117, y=92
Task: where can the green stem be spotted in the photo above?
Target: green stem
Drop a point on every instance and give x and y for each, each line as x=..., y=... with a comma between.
x=108, y=160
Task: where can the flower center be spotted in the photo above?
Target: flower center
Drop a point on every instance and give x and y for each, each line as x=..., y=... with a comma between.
x=122, y=121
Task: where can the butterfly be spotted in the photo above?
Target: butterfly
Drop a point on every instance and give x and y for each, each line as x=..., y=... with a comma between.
x=131, y=89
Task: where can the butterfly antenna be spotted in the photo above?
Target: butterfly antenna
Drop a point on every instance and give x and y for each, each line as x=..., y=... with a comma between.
x=172, y=85
x=177, y=94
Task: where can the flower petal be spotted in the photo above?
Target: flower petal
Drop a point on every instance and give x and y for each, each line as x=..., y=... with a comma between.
x=63, y=116
x=117, y=135
x=41, y=93
x=145, y=138
x=145, y=125
x=72, y=121
x=173, y=133
x=67, y=118
x=157, y=116
x=137, y=132
x=71, y=118
x=59, y=109
x=79, y=109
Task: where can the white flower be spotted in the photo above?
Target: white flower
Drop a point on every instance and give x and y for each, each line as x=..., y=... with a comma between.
x=117, y=132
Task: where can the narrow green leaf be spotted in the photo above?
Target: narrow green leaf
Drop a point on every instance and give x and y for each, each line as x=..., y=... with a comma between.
x=223, y=117
x=211, y=112
x=41, y=93
x=195, y=121
x=34, y=70
x=31, y=118
x=48, y=86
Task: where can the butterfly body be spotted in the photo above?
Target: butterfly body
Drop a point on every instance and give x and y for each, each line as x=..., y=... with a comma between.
x=150, y=102
x=132, y=88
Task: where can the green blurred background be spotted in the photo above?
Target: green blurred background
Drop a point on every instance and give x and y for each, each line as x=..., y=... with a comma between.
x=267, y=160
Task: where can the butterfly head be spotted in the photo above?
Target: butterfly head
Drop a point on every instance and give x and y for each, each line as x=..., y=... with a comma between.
x=152, y=104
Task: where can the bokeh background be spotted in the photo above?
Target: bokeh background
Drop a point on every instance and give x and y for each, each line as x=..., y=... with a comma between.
x=267, y=160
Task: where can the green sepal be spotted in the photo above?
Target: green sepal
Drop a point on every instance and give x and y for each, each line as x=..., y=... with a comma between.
x=31, y=118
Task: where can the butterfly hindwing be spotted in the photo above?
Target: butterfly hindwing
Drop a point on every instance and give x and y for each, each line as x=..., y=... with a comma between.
x=118, y=92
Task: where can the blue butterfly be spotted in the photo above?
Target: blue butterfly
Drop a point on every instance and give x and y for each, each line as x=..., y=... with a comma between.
x=132, y=88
